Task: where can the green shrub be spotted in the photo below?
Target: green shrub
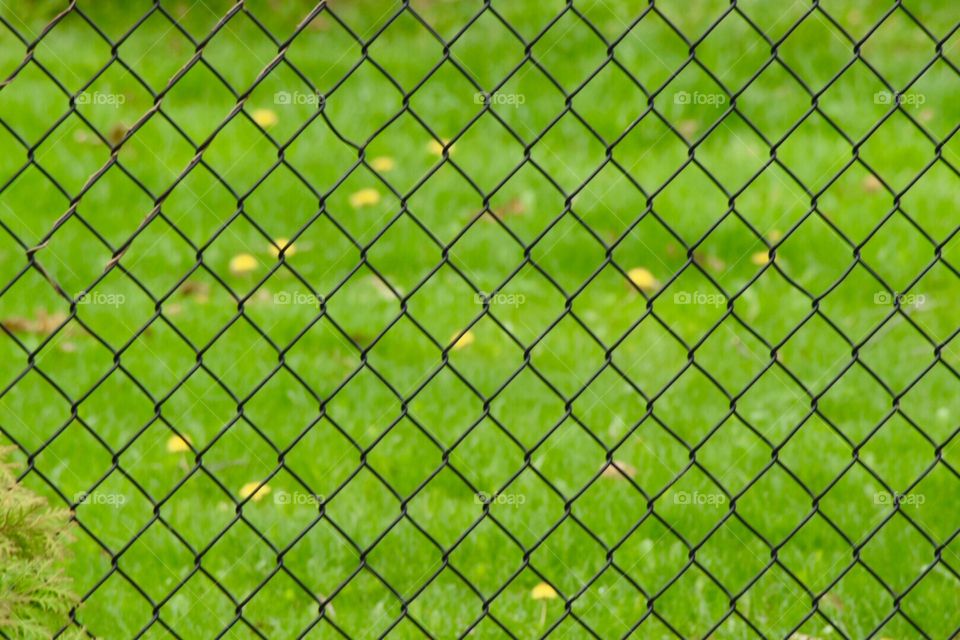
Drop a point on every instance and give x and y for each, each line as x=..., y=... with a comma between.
x=35, y=594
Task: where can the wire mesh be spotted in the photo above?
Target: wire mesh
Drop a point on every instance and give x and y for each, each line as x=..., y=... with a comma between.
x=490, y=100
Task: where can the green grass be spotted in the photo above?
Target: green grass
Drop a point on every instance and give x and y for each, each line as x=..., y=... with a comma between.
x=804, y=406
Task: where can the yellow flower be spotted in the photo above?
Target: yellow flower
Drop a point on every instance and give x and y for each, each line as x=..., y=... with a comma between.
x=643, y=279
x=282, y=244
x=254, y=491
x=364, y=197
x=242, y=263
x=760, y=258
x=464, y=341
x=436, y=147
x=264, y=117
x=543, y=591
x=176, y=444
x=383, y=163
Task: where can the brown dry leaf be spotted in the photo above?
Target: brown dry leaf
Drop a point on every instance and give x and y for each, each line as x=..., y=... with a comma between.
x=18, y=324
x=619, y=470
x=199, y=291
x=514, y=207
x=320, y=23
x=43, y=324
x=716, y=264
x=116, y=134
x=48, y=322
x=872, y=184
x=360, y=338
x=926, y=115
x=835, y=600
x=710, y=261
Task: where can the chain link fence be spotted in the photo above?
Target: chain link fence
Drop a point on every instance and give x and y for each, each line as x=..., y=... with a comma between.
x=250, y=291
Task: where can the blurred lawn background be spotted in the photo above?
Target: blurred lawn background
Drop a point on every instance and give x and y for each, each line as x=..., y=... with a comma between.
x=624, y=216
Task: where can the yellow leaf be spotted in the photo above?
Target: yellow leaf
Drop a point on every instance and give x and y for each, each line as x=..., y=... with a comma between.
x=643, y=279
x=364, y=197
x=709, y=261
x=176, y=444
x=465, y=340
x=200, y=291
x=383, y=163
x=760, y=258
x=436, y=148
x=543, y=591
x=514, y=207
x=265, y=118
x=43, y=324
x=256, y=494
x=282, y=244
x=242, y=263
